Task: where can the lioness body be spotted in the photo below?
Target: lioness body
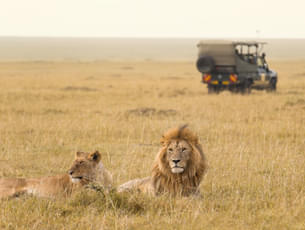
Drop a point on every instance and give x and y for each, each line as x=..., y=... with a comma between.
x=44, y=187
x=178, y=169
x=86, y=168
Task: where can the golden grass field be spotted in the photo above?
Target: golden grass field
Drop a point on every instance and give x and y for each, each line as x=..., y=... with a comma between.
x=255, y=144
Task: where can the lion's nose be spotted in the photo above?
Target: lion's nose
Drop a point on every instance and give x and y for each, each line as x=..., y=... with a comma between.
x=176, y=161
x=70, y=172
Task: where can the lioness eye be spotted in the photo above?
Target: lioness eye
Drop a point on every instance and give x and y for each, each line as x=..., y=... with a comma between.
x=81, y=162
x=183, y=149
x=170, y=149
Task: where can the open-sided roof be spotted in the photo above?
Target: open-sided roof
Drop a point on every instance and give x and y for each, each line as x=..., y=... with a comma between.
x=248, y=43
x=228, y=42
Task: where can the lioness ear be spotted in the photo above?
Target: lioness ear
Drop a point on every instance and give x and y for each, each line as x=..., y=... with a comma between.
x=96, y=156
x=80, y=154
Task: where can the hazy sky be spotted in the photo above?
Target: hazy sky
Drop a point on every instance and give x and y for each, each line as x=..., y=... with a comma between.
x=153, y=18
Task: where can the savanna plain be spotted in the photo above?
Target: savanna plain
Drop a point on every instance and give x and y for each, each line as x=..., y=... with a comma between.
x=254, y=144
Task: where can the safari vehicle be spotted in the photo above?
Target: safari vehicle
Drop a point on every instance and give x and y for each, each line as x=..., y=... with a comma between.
x=235, y=66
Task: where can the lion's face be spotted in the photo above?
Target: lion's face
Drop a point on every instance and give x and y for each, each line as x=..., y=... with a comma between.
x=178, y=153
x=84, y=167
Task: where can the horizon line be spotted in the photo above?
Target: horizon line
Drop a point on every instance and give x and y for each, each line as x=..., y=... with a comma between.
x=146, y=37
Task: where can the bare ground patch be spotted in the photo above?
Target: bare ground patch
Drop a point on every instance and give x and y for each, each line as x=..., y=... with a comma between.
x=85, y=89
x=146, y=111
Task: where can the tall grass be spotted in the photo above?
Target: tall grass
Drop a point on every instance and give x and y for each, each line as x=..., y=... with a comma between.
x=254, y=144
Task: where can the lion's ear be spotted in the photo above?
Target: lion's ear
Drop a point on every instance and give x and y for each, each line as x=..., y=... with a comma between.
x=163, y=141
x=80, y=154
x=196, y=141
x=198, y=153
x=161, y=159
x=95, y=156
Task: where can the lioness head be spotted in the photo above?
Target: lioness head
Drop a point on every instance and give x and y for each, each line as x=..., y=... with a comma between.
x=178, y=153
x=85, y=166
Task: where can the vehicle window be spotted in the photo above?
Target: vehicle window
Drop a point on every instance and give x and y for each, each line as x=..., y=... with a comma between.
x=260, y=62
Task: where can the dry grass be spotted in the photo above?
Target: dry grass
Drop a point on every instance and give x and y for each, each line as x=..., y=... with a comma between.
x=254, y=144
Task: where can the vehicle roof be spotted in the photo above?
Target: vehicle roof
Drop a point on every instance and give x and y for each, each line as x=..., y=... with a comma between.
x=216, y=42
x=228, y=42
x=248, y=43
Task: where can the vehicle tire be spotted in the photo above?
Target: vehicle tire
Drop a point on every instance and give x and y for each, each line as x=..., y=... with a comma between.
x=235, y=89
x=213, y=89
x=246, y=87
x=272, y=85
x=205, y=64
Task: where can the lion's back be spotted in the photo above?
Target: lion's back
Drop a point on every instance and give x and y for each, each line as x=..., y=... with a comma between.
x=143, y=185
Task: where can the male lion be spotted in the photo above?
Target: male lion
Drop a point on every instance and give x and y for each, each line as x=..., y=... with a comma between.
x=86, y=168
x=178, y=168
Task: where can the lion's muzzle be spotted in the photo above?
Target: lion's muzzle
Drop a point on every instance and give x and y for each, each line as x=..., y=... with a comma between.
x=74, y=178
x=175, y=167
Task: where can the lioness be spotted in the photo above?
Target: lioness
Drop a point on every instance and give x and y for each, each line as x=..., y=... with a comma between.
x=86, y=168
x=178, y=168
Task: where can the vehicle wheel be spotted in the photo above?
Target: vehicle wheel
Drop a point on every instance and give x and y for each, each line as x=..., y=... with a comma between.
x=235, y=89
x=272, y=85
x=212, y=89
x=246, y=87
x=205, y=64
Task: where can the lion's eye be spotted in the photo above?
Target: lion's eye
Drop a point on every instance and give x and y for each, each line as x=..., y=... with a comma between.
x=183, y=149
x=81, y=162
x=170, y=149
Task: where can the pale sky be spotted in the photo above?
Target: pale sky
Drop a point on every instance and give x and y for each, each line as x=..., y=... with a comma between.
x=153, y=18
